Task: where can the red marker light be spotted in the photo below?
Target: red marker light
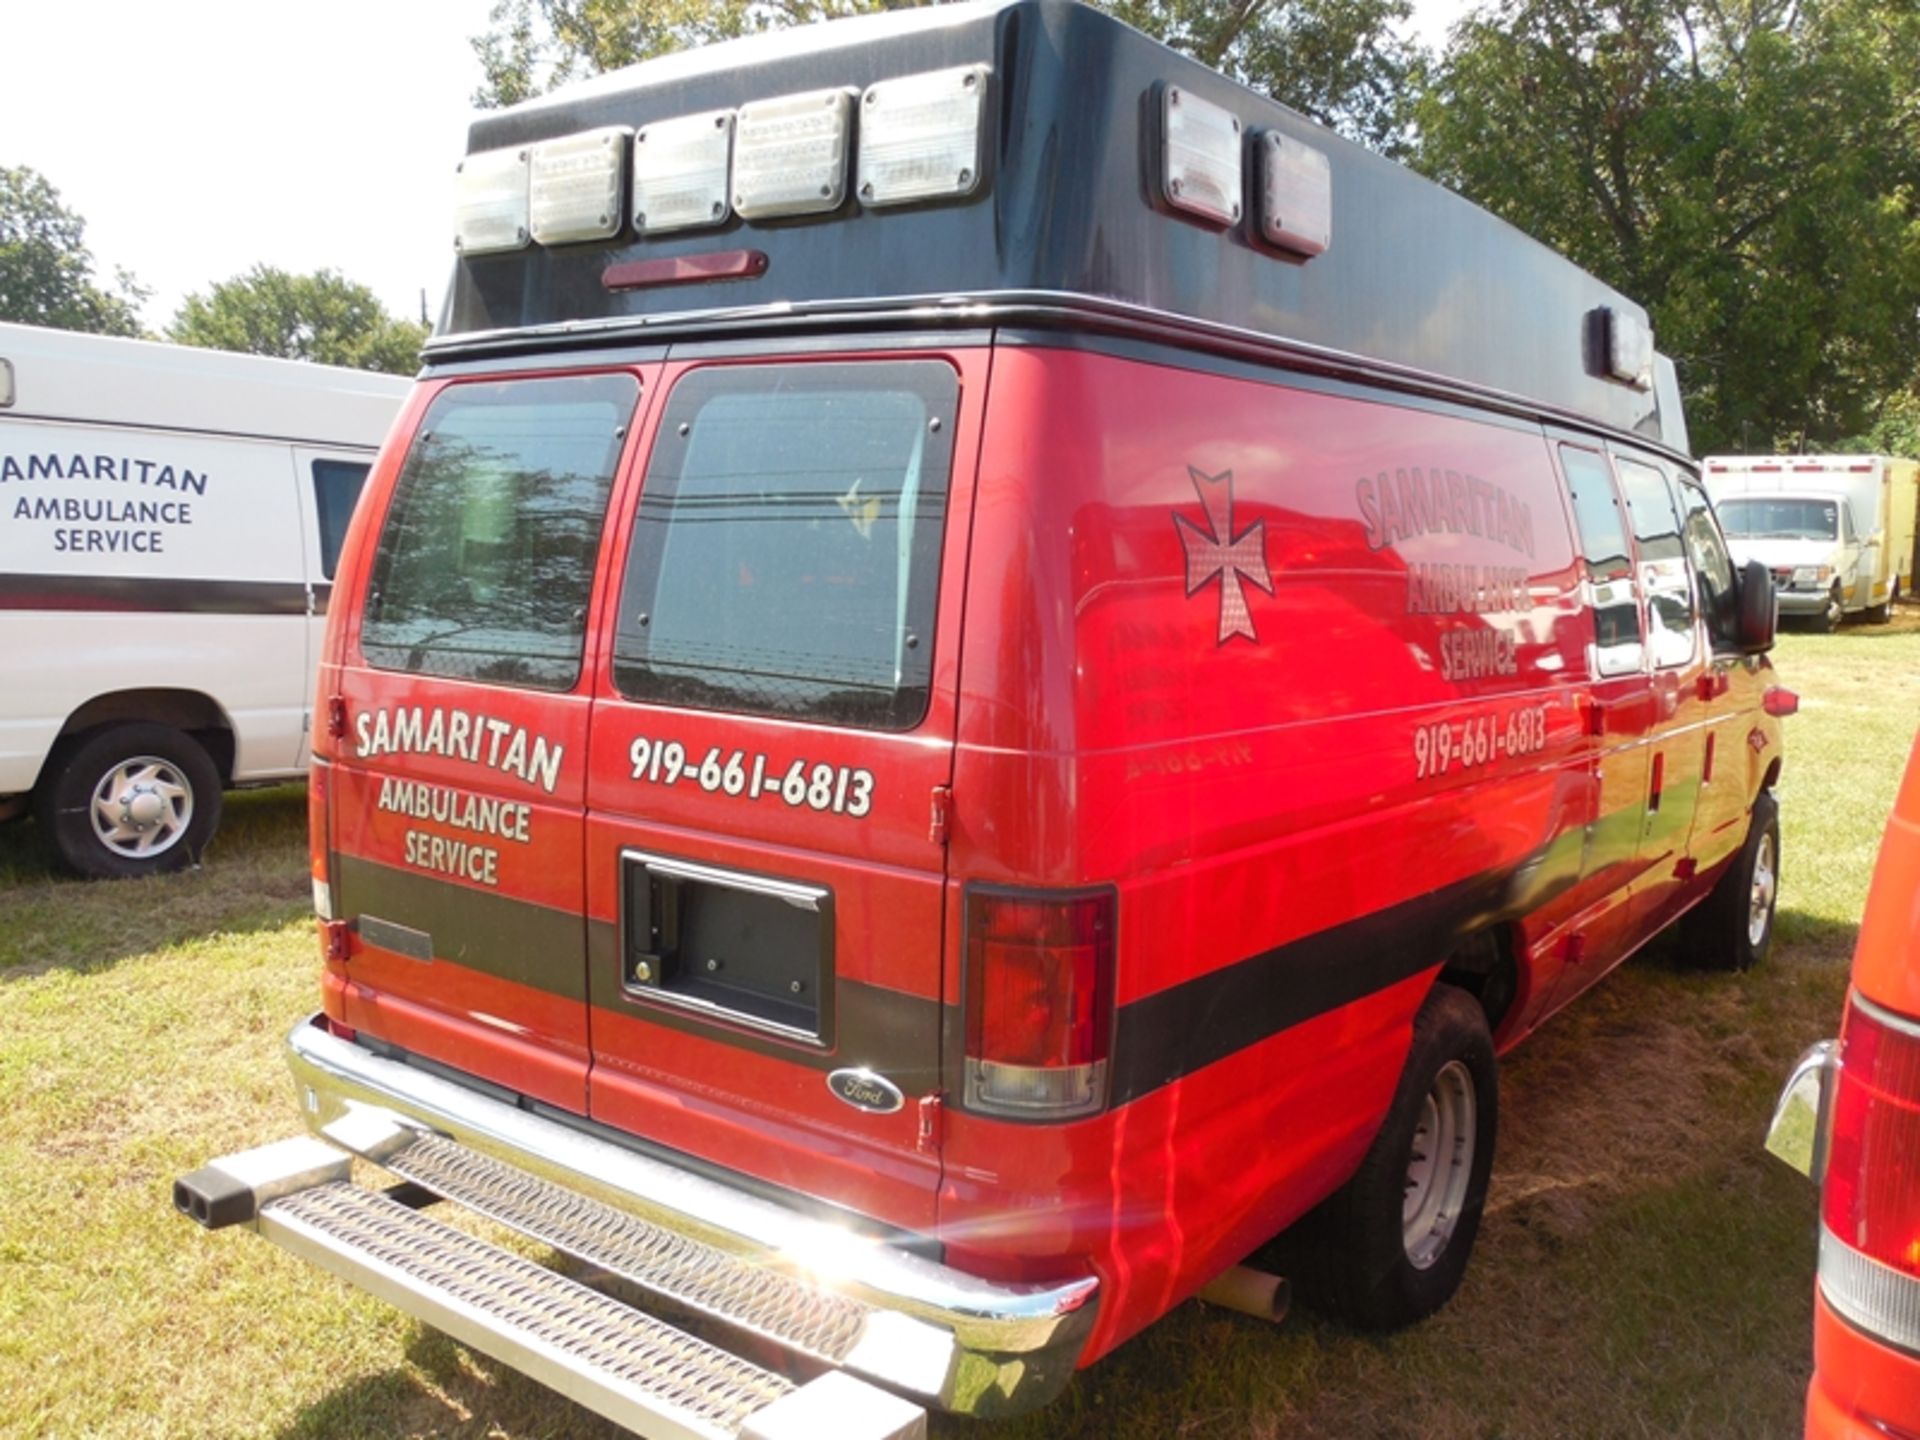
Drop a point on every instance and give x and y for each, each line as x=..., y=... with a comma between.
x=1780, y=701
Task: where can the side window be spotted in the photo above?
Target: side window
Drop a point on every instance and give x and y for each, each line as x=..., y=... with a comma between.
x=486, y=556
x=1664, y=577
x=1712, y=566
x=1603, y=541
x=336, y=488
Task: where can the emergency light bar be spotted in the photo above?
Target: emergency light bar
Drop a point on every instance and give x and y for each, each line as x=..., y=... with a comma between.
x=680, y=173
x=1200, y=170
x=920, y=136
x=490, y=202
x=576, y=185
x=790, y=154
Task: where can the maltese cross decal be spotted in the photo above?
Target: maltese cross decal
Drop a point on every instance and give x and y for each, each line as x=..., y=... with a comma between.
x=1218, y=551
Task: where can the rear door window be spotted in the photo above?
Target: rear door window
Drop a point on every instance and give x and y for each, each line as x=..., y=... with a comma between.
x=785, y=557
x=1603, y=541
x=487, y=554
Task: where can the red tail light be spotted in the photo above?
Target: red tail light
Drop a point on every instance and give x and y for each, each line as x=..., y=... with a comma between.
x=1039, y=1004
x=1870, y=1251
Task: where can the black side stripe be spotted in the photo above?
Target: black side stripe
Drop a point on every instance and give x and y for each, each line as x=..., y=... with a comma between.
x=1160, y=1038
x=1186, y=1027
x=134, y=594
x=517, y=940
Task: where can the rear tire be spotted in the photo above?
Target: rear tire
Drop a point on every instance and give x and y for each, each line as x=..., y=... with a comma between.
x=1879, y=614
x=1391, y=1245
x=129, y=800
x=1732, y=929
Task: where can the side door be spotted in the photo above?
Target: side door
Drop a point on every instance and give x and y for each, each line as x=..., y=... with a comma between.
x=1731, y=686
x=328, y=484
x=772, y=739
x=1620, y=711
x=457, y=795
x=1679, y=733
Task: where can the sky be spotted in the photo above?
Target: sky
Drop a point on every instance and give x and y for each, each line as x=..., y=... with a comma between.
x=202, y=137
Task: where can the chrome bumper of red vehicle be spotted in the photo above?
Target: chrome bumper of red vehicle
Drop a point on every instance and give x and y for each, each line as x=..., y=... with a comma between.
x=821, y=1290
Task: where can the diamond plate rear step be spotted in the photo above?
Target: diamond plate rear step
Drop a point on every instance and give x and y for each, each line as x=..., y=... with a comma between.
x=628, y=1366
x=820, y=1324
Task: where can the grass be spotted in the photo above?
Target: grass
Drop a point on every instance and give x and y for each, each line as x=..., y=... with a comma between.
x=1644, y=1270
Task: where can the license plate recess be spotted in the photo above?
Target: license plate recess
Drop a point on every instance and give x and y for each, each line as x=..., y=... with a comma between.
x=733, y=946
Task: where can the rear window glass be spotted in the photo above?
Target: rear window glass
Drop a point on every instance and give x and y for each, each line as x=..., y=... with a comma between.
x=786, y=552
x=487, y=553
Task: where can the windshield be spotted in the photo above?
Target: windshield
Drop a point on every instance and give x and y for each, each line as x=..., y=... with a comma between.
x=1780, y=518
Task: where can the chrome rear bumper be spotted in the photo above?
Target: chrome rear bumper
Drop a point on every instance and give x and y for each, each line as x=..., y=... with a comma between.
x=823, y=1290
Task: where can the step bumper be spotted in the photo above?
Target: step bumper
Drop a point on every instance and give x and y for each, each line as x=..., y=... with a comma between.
x=821, y=1290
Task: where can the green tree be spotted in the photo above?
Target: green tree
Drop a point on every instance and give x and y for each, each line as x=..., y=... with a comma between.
x=322, y=317
x=1340, y=61
x=46, y=270
x=1748, y=172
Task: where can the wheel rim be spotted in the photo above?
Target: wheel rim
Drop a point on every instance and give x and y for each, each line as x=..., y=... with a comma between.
x=1440, y=1168
x=1766, y=883
x=142, y=807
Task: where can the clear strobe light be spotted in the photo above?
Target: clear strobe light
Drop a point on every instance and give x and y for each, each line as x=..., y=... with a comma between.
x=680, y=172
x=790, y=154
x=576, y=185
x=920, y=136
x=1296, y=195
x=1629, y=349
x=1200, y=172
x=490, y=202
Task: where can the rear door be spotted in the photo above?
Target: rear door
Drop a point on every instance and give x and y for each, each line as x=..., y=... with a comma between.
x=458, y=795
x=772, y=736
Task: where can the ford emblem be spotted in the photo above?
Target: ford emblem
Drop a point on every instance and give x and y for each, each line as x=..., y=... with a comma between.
x=865, y=1090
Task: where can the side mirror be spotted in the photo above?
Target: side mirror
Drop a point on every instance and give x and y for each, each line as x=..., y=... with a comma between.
x=1758, y=609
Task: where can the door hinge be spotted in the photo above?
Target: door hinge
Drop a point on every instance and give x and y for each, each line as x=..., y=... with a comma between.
x=942, y=807
x=337, y=716
x=928, y=1138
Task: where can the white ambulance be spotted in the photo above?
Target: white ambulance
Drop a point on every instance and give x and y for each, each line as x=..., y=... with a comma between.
x=1836, y=532
x=169, y=522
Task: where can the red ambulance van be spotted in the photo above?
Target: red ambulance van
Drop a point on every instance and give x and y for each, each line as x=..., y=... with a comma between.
x=984, y=671
x=1850, y=1118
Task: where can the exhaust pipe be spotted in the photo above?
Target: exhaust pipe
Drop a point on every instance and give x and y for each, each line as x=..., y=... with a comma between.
x=1251, y=1292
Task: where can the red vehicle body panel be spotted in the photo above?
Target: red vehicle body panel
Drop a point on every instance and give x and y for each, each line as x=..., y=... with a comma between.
x=1196, y=641
x=1863, y=1388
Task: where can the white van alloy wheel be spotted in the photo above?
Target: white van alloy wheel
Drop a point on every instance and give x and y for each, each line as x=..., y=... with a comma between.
x=1440, y=1167
x=1760, y=893
x=142, y=807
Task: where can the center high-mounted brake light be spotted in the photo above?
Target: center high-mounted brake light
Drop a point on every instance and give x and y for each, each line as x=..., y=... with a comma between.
x=1039, y=1002
x=1870, y=1212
